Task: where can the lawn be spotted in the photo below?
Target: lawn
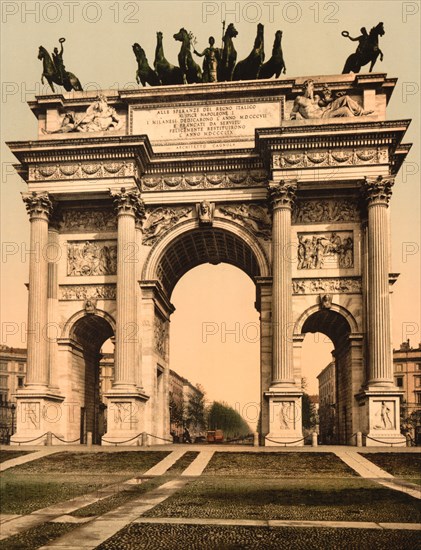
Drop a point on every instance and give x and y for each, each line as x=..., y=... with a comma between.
x=402, y=465
x=63, y=476
x=264, y=465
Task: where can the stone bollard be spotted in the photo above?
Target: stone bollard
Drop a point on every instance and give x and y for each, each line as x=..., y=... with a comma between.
x=314, y=439
x=145, y=442
x=255, y=439
x=359, y=439
x=139, y=441
x=89, y=439
x=49, y=439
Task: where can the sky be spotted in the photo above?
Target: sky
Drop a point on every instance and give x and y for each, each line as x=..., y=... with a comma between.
x=99, y=36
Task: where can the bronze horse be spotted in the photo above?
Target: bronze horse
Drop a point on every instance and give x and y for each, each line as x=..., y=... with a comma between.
x=228, y=55
x=144, y=73
x=368, y=49
x=275, y=65
x=167, y=73
x=190, y=69
x=249, y=68
x=68, y=80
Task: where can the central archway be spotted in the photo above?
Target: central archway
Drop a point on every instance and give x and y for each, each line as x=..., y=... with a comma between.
x=186, y=246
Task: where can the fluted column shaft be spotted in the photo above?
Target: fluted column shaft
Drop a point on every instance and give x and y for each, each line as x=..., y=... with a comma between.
x=39, y=208
x=378, y=193
x=282, y=196
x=129, y=206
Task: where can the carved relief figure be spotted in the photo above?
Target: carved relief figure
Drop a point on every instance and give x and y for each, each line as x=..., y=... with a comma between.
x=255, y=217
x=88, y=220
x=85, y=292
x=326, y=105
x=91, y=258
x=337, y=285
x=313, y=211
x=385, y=421
x=315, y=250
x=99, y=117
x=284, y=415
x=160, y=334
x=161, y=219
x=205, y=212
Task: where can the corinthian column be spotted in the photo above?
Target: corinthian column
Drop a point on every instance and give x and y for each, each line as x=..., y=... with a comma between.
x=129, y=207
x=282, y=195
x=39, y=207
x=378, y=192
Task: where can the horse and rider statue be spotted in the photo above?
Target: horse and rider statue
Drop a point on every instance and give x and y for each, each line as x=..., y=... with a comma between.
x=54, y=71
x=367, y=51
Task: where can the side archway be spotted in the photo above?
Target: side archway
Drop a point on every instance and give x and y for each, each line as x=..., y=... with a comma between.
x=338, y=324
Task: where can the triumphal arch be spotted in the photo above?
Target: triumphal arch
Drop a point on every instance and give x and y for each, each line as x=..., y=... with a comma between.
x=289, y=180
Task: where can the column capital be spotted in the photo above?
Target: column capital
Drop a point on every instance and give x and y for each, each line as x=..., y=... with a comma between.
x=282, y=194
x=129, y=202
x=38, y=205
x=378, y=190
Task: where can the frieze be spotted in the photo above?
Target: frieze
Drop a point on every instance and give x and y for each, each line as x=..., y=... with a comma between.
x=337, y=285
x=159, y=220
x=326, y=250
x=330, y=157
x=88, y=292
x=325, y=211
x=81, y=170
x=75, y=220
x=204, y=181
x=254, y=217
x=89, y=258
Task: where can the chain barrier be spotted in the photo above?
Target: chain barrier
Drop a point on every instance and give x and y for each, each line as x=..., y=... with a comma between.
x=391, y=443
x=121, y=442
x=63, y=440
x=30, y=440
x=286, y=443
x=162, y=438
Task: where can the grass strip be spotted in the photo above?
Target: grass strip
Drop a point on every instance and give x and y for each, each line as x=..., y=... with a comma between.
x=264, y=465
x=9, y=455
x=404, y=465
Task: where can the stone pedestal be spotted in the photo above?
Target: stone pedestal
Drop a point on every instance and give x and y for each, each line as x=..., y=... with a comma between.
x=285, y=419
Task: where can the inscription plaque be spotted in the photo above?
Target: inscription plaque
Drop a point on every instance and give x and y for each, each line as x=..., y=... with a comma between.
x=200, y=126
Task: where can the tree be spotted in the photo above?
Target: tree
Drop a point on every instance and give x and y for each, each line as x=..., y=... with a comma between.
x=308, y=410
x=195, y=411
x=223, y=417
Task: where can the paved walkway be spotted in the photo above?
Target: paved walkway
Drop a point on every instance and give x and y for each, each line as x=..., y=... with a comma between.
x=12, y=524
x=28, y=458
x=368, y=470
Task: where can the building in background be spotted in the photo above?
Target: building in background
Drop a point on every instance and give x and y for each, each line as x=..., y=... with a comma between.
x=327, y=404
x=12, y=378
x=407, y=373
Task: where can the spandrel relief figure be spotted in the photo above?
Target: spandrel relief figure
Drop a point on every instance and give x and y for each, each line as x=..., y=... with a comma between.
x=161, y=219
x=325, y=105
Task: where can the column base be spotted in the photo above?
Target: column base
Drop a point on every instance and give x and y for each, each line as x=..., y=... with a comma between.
x=380, y=407
x=125, y=417
x=285, y=421
x=38, y=414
